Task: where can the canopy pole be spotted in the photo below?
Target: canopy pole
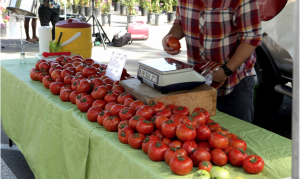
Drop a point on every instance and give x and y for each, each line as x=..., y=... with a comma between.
x=65, y=9
x=295, y=108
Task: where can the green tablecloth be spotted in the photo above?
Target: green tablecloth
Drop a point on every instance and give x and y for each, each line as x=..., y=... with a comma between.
x=58, y=141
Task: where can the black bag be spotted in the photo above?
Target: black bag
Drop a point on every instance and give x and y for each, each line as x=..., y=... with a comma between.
x=123, y=40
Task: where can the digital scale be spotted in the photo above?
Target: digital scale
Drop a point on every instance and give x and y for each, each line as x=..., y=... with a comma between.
x=167, y=74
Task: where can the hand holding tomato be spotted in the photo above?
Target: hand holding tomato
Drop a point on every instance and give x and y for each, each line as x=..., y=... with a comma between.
x=169, y=49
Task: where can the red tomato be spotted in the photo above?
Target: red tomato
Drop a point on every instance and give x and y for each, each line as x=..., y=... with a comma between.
x=66, y=60
x=110, y=97
x=80, y=67
x=181, y=110
x=88, y=61
x=175, y=144
x=111, y=123
x=64, y=95
x=164, y=112
x=177, y=117
x=136, y=140
x=229, y=135
x=198, y=155
x=174, y=43
x=96, y=82
x=39, y=62
x=102, y=115
x=99, y=92
x=55, y=87
x=166, y=141
x=122, y=125
x=158, y=133
x=47, y=81
x=168, y=129
x=73, y=96
x=84, y=86
x=66, y=87
x=218, y=157
x=199, y=117
x=116, y=83
x=236, y=157
x=93, y=113
x=188, y=120
x=59, y=80
x=109, y=105
x=204, y=111
x=213, y=125
x=68, y=79
x=173, y=152
x=227, y=149
x=118, y=88
x=126, y=113
x=124, y=134
x=134, y=120
x=156, y=151
x=34, y=74
x=221, y=130
x=88, y=71
x=170, y=107
x=115, y=109
x=76, y=63
x=205, y=165
x=66, y=72
x=157, y=106
x=185, y=132
x=85, y=103
x=189, y=146
x=145, y=127
x=136, y=105
x=205, y=145
x=238, y=142
x=181, y=165
x=80, y=97
x=128, y=101
x=77, y=58
x=56, y=74
x=253, y=164
x=108, y=81
x=159, y=121
x=203, y=132
x=147, y=141
x=99, y=103
x=209, y=121
x=145, y=111
x=218, y=141
x=44, y=67
x=123, y=96
x=42, y=75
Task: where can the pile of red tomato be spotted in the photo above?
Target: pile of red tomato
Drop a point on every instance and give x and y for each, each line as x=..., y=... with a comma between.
x=168, y=133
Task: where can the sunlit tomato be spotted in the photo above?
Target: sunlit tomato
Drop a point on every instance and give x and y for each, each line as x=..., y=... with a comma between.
x=156, y=151
x=64, y=95
x=34, y=74
x=218, y=141
x=124, y=134
x=203, y=132
x=253, y=164
x=110, y=97
x=122, y=125
x=159, y=121
x=102, y=115
x=145, y=111
x=73, y=96
x=66, y=60
x=115, y=109
x=75, y=64
x=85, y=103
x=134, y=120
x=236, y=156
x=93, y=113
x=198, y=155
x=75, y=85
x=80, y=67
x=136, y=140
x=39, y=62
x=80, y=97
x=136, y=105
x=168, y=129
x=108, y=81
x=42, y=75
x=77, y=58
x=147, y=141
x=68, y=79
x=109, y=105
x=175, y=144
x=55, y=87
x=94, y=76
x=181, y=110
x=116, y=83
x=229, y=135
x=56, y=74
x=188, y=120
x=84, y=86
x=111, y=123
x=96, y=82
x=96, y=65
x=126, y=113
x=205, y=165
x=220, y=130
x=145, y=127
x=213, y=125
x=67, y=65
x=99, y=93
x=44, y=67
x=199, y=117
x=227, y=149
x=88, y=61
x=164, y=112
x=66, y=72
x=128, y=101
x=173, y=152
x=99, y=103
x=157, y=106
x=189, y=146
x=204, y=111
x=185, y=132
x=158, y=133
x=123, y=96
x=238, y=142
x=174, y=43
x=218, y=157
x=118, y=88
x=47, y=81
x=88, y=71
x=181, y=165
x=166, y=141
x=205, y=145
x=177, y=118
x=77, y=77
x=109, y=87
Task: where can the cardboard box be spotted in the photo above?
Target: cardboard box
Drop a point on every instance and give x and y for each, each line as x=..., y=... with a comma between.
x=203, y=96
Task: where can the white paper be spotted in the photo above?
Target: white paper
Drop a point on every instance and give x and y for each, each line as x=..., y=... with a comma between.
x=282, y=28
x=115, y=66
x=45, y=35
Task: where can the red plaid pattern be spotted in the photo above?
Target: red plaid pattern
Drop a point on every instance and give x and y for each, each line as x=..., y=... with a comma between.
x=213, y=30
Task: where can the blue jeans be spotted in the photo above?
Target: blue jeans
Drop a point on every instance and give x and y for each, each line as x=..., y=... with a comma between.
x=239, y=103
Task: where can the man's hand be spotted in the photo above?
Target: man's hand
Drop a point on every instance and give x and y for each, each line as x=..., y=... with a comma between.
x=219, y=75
x=168, y=49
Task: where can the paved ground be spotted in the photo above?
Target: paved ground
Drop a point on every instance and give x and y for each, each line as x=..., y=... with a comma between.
x=13, y=163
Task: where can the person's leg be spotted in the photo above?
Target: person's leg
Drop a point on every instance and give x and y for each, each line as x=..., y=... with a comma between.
x=26, y=26
x=44, y=15
x=54, y=20
x=33, y=25
x=239, y=103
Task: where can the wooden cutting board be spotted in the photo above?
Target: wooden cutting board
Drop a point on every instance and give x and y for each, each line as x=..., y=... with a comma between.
x=203, y=96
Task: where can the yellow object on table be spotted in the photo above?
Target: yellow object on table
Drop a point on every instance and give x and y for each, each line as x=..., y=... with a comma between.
x=76, y=37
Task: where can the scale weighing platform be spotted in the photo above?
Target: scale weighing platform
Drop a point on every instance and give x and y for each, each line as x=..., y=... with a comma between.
x=167, y=74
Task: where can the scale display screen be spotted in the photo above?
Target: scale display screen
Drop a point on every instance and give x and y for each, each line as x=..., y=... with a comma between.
x=166, y=64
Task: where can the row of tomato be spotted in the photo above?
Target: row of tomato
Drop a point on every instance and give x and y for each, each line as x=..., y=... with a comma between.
x=167, y=133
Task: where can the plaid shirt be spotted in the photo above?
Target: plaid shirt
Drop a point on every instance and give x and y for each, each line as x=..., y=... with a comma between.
x=52, y=3
x=213, y=30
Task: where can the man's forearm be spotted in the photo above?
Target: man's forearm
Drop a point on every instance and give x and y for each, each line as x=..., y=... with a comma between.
x=176, y=31
x=241, y=54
